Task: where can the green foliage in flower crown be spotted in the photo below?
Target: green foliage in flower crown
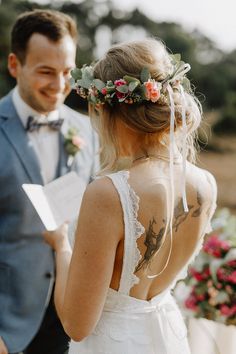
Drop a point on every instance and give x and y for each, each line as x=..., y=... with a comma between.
x=129, y=89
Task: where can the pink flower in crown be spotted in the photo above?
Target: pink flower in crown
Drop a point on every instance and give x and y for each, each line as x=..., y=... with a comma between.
x=152, y=90
x=118, y=83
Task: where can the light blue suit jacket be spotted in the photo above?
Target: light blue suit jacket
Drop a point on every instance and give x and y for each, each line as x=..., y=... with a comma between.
x=26, y=262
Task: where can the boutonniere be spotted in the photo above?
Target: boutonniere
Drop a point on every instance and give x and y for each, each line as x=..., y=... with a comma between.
x=73, y=143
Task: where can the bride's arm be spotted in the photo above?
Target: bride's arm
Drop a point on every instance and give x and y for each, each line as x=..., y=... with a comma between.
x=83, y=281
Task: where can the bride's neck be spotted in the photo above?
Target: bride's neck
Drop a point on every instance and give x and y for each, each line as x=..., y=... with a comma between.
x=135, y=150
x=133, y=145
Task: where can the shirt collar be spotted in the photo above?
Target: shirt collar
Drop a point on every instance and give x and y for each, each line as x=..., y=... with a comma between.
x=24, y=110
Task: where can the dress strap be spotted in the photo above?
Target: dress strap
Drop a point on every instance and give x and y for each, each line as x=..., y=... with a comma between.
x=133, y=229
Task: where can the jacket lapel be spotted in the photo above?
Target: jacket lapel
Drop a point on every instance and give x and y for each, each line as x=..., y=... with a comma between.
x=62, y=167
x=17, y=137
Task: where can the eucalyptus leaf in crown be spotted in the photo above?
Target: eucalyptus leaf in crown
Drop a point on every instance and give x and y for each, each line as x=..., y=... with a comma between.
x=129, y=89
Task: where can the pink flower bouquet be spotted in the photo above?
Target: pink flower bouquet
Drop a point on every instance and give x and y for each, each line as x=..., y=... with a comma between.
x=212, y=277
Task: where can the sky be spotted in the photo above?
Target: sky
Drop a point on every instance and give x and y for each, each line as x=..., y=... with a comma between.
x=214, y=18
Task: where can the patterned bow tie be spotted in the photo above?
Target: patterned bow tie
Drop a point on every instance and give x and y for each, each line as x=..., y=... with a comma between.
x=33, y=124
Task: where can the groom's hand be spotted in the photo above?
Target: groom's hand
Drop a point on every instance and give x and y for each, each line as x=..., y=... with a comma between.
x=3, y=348
x=58, y=239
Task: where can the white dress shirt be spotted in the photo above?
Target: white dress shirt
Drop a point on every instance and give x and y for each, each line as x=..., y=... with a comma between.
x=45, y=140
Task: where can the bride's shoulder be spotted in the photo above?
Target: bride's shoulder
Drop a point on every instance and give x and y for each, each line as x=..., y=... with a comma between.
x=201, y=174
x=102, y=191
x=204, y=181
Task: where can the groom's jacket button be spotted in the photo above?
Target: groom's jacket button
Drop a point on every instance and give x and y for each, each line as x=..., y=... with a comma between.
x=48, y=275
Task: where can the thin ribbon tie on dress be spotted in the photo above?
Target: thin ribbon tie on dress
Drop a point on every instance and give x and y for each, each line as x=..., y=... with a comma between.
x=172, y=190
x=182, y=70
x=184, y=149
x=179, y=74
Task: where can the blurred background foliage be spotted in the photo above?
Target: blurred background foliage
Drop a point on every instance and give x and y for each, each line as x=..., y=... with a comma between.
x=100, y=25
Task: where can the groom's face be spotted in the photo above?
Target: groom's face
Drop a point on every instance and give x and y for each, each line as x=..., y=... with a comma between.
x=43, y=78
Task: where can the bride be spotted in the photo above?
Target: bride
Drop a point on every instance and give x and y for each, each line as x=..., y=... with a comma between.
x=143, y=220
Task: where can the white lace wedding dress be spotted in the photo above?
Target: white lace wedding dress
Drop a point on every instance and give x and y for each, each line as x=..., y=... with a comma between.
x=129, y=325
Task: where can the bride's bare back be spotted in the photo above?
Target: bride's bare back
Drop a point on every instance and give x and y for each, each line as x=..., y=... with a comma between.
x=150, y=181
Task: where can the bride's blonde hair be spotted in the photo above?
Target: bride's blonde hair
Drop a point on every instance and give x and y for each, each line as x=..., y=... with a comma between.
x=152, y=120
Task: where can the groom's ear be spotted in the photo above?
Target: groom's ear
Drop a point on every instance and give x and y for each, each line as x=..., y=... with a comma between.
x=13, y=65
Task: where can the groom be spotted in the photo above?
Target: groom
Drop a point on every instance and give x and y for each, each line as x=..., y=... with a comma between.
x=33, y=123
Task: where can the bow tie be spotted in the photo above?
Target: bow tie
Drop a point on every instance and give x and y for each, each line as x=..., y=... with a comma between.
x=33, y=124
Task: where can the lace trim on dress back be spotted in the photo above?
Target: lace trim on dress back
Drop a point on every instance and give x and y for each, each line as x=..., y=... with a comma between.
x=138, y=228
x=133, y=230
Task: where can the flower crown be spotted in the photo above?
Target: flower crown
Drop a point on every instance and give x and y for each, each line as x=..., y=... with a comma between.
x=129, y=89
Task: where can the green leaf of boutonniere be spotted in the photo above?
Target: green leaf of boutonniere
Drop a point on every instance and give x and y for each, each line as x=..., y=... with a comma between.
x=73, y=142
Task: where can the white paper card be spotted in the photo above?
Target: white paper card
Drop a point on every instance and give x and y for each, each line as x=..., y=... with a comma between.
x=58, y=201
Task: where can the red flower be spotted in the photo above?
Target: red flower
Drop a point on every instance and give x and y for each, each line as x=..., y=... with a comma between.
x=118, y=83
x=120, y=95
x=200, y=297
x=221, y=274
x=228, y=311
x=219, y=286
x=232, y=277
x=191, y=303
x=198, y=276
x=232, y=263
x=215, y=247
x=104, y=91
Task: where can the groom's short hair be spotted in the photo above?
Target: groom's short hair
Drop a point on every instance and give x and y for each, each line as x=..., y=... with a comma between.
x=52, y=24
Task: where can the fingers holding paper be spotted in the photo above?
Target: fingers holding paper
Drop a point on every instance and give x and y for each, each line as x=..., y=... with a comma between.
x=58, y=239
